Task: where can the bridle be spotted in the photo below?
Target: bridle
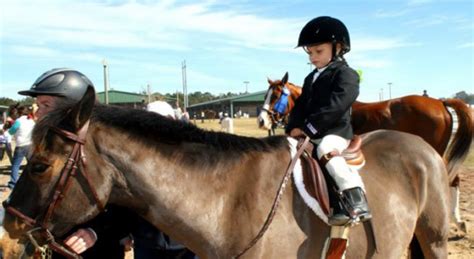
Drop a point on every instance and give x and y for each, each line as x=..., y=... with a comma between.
x=282, y=105
x=76, y=158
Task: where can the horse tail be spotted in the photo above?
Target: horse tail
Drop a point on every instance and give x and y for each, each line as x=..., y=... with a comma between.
x=460, y=144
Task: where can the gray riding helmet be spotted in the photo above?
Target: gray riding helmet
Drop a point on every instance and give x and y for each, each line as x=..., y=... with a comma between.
x=62, y=82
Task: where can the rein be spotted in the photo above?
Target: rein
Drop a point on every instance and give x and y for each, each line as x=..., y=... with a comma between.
x=302, y=145
x=76, y=158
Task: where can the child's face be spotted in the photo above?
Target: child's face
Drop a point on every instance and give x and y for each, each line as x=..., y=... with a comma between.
x=319, y=55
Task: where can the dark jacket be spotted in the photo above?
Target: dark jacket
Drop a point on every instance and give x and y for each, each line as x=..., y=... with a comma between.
x=110, y=226
x=324, y=106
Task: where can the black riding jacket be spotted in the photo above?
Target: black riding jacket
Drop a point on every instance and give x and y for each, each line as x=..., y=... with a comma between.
x=324, y=106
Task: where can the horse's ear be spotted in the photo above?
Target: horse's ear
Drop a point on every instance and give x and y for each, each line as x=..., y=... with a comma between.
x=284, y=80
x=82, y=111
x=269, y=81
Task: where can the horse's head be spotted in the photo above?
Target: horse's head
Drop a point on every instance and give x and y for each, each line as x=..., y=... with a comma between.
x=53, y=192
x=275, y=107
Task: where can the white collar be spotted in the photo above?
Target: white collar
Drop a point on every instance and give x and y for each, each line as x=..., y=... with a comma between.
x=320, y=70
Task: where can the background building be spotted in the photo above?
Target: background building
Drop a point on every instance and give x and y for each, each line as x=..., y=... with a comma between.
x=123, y=98
x=247, y=103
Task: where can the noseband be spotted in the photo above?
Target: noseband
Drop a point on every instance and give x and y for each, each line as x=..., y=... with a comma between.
x=68, y=172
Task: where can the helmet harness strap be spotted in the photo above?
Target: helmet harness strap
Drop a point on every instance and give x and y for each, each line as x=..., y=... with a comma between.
x=336, y=56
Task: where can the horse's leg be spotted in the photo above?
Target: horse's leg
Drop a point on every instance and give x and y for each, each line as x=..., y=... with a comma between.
x=454, y=190
x=271, y=132
x=432, y=227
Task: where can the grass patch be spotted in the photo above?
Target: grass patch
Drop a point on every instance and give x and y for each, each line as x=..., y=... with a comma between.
x=242, y=127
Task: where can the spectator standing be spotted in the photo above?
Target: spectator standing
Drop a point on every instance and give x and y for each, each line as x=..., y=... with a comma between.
x=21, y=130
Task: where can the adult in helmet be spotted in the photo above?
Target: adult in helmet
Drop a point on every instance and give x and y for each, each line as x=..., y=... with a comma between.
x=322, y=112
x=57, y=86
x=63, y=87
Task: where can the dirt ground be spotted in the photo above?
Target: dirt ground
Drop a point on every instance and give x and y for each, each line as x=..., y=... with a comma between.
x=461, y=244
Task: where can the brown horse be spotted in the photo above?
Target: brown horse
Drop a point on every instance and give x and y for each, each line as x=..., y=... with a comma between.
x=418, y=115
x=212, y=191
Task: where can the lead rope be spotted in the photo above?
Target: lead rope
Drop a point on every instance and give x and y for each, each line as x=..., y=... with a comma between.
x=277, y=200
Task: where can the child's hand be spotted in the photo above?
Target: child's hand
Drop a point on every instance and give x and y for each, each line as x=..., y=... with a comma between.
x=297, y=133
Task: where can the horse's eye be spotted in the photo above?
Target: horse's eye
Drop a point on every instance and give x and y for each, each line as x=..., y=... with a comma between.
x=39, y=168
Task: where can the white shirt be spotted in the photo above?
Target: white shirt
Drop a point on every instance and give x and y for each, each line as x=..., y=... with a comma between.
x=23, y=133
x=320, y=70
x=162, y=108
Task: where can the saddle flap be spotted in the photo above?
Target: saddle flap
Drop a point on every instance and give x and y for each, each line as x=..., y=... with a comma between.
x=314, y=180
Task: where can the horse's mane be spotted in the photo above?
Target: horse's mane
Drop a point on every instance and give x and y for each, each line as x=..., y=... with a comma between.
x=152, y=128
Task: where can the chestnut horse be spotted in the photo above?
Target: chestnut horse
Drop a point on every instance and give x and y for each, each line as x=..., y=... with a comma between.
x=418, y=115
x=213, y=191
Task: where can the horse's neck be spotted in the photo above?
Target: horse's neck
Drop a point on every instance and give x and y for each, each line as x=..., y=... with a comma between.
x=195, y=201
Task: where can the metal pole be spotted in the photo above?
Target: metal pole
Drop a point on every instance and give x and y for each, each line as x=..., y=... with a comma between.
x=177, y=99
x=246, y=86
x=148, y=92
x=389, y=90
x=185, y=85
x=106, y=81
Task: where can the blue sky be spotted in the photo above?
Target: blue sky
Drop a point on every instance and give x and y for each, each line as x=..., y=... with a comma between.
x=413, y=44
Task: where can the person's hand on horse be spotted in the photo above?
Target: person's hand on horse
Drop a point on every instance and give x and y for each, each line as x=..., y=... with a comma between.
x=297, y=133
x=81, y=240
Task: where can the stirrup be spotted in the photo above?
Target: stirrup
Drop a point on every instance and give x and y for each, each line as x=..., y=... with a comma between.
x=353, y=208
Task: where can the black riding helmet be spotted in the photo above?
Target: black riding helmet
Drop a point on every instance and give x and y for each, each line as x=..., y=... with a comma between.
x=62, y=82
x=325, y=29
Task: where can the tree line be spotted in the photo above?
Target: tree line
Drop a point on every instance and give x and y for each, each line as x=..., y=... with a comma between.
x=200, y=97
x=193, y=98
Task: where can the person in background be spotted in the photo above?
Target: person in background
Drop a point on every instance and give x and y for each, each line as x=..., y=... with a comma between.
x=12, y=115
x=322, y=112
x=3, y=141
x=21, y=131
x=425, y=93
x=185, y=116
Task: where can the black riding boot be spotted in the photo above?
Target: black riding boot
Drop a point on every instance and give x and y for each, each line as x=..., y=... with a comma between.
x=353, y=205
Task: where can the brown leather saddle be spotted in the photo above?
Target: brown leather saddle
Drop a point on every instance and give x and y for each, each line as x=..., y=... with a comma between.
x=313, y=176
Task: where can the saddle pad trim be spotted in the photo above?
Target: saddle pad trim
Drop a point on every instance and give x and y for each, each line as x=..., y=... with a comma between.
x=298, y=180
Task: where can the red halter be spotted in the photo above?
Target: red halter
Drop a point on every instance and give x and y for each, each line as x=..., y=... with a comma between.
x=62, y=186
